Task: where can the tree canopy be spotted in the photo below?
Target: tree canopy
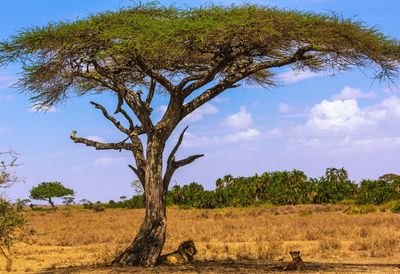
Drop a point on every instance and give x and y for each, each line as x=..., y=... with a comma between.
x=48, y=190
x=130, y=46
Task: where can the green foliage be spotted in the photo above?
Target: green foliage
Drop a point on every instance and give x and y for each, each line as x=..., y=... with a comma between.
x=193, y=196
x=20, y=204
x=377, y=191
x=48, y=190
x=289, y=187
x=187, y=41
x=98, y=207
x=11, y=221
x=396, y=208
x=334, y=187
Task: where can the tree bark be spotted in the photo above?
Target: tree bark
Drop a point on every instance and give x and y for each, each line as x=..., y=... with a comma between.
x=148, y=243
x=52, y=204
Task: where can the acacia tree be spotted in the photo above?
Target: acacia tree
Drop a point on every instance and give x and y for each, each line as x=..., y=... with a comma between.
x=192, y=56
x=47, y=191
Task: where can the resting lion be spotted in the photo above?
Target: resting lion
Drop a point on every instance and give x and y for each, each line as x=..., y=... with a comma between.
x=183, y=255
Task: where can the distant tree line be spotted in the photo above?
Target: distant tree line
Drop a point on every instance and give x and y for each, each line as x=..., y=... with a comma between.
x=277, y=188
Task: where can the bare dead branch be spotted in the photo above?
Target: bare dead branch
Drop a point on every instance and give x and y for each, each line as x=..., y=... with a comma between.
x=186, y=161
x=173, y=165
x=116, y=123
x=101, y=146
x=171, y=157
x=128, y=118
x=139, y=174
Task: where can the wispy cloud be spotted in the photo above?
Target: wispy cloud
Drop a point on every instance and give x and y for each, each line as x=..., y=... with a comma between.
x=292, y=76
x=95, y=138
x=353, y=93
x=109, y=162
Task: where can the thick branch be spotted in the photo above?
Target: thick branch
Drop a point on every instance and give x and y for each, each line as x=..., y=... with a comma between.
x=240, y=73
x=154, y=74
x=173, y=165
x=171, y=157
x=128, y=118
x=150, y=95
x=101, y=146
x=188, y=79
x=139, y=173
x=206, y=78
x=187, y=160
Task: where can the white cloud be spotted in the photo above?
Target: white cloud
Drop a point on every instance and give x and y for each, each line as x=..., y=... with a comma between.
x=95, y=138
x=353, y=93
x=38, y=108
x=292, y=76
x=392, y=90
x=199, y=113
x=284, y=108
x=191, y=140
x=108, y=162
x=220, y=99
x=338, y=115
x=239, y=120
x=243, y=135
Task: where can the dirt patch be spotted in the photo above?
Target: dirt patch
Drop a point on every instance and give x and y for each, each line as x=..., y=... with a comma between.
x=238, y=267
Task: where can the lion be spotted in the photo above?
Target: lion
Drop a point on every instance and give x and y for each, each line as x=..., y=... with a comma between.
x=296, y=263
x=183, y=255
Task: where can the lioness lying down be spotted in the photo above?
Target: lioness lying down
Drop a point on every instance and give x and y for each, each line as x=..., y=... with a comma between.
x=183, y=255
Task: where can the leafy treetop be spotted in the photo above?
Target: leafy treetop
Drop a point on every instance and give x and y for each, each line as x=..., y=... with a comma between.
x=48, y=190
x=130, y=47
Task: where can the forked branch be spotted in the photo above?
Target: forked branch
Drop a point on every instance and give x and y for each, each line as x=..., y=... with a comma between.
x=173, y=165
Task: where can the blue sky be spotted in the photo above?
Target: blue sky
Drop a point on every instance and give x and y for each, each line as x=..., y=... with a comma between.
x=311, y=122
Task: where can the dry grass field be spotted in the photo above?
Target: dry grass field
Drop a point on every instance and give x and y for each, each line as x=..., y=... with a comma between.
x=228, y=240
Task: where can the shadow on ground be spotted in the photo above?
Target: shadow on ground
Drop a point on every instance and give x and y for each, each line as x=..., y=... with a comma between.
x=237, y=267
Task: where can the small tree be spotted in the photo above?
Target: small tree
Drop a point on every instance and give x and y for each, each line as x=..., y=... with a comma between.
x=123, y=198
x=46, y=191
x=68, y=200
x=11, y=221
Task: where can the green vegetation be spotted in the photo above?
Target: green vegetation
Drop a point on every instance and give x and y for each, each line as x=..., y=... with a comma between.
x=46, y=191
x=11, y=219
x=192, y=56
x=282, y=188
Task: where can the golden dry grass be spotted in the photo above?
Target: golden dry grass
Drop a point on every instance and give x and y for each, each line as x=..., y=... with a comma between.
x=323, y=233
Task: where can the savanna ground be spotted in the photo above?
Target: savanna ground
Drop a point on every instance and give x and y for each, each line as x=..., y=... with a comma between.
x=245, y=240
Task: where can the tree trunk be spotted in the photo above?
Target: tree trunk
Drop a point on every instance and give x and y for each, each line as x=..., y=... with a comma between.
x=148, y=243
x=52, y=204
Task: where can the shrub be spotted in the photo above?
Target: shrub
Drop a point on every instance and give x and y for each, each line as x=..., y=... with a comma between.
x=396, y=208
x=98, y=207
x=376, y=192
x=11, y=221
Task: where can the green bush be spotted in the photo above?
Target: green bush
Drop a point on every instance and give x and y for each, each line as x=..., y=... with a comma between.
x=11, y=222
x=377, y=192
x=396, y=208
